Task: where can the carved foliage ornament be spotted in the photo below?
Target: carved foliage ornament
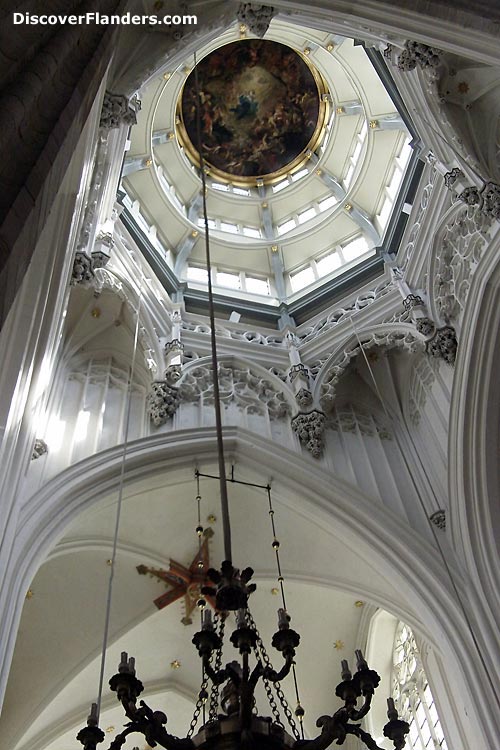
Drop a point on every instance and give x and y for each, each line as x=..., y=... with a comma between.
x=425, y=326
x=83, y=269
x=255, y=17
x=415, y=53
x=310, y=428
x=118, y=110
x=443, y=345
x=162, y=402
x=439, y=519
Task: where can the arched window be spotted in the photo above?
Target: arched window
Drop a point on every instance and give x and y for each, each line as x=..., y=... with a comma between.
x=412, y=694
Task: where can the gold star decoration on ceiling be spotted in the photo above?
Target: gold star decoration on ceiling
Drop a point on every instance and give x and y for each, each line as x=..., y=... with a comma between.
x=182, y=581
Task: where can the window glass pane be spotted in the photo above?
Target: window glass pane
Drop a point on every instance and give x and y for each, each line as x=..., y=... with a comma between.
x=257, y=286
x=405, y=153
x=299, y=174
x=413, y=695
x=286, y=226
x=306, y=215
x=328, y=263
x=302, y=278
x=241, y=191
x=197, y=274
x=279, y=186
x=228, y=279
x=327, y=203
x=355, y=248
x=226, y=227
x=348, y=177
x=220, y=186
x=385, y=211
x=395, y=182
x=357, y=151
x=426, y=733
x=251, y=232
x=211, y=222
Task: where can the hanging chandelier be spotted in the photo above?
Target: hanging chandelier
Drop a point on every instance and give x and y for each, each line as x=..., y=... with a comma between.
x=232, y=687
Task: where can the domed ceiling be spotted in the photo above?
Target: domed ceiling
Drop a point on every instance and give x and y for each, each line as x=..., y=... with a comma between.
x=304, y=154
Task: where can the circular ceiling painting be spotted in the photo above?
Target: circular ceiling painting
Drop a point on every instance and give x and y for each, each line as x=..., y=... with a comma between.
x=260, y=109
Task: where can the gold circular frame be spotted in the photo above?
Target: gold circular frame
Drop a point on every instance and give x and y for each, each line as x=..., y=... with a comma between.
x=271, y=177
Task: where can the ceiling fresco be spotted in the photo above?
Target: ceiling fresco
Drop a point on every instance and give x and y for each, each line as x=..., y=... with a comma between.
x=260, y=109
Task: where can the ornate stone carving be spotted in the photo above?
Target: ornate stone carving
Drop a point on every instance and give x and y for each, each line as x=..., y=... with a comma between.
x=456, y=257
x=250, y=391
x=102, y=250
x=174, y=345
x=296, y=371
x=310, y=428
x=425, y=326
x=439, y=519
x=351, y=419
x=335, y=372
x=421, y=381
x=253, y=337
x=411, y=301
x=470, y=196
x=39, y=449
x=342, y=314
x=416, y=53
x=451, y=177
x=162, y=402
x=387, y=52
x=491, y=200
x=118, y=110
x=83, y=271
x=255, y=17
x=173, y=374
x=443, y=345
x=304, y=398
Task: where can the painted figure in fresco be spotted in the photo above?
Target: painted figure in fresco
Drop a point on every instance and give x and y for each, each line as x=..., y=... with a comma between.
x=246, y=107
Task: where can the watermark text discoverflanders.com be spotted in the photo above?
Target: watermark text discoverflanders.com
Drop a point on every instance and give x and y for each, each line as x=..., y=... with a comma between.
x=101, y=19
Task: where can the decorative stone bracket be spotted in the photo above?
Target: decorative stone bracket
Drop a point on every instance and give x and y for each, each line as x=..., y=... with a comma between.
x=310, y=429
x=416, y=53
x=85, y=265
x=162, y=402
x=118, y=110
x=255, y=17
x=83, y=269
x=439, y=519
x=443, y=344
x=39, y=449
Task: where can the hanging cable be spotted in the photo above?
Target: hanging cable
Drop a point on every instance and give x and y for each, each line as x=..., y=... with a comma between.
x=118, y=508
x=215, y=366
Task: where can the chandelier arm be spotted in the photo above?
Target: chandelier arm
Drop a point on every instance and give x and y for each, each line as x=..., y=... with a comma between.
x=216, y=677
x=121, y=738
x=257, y=673
x=363, y=736
x=332, y=729
x=358, y=715
x=273, y=676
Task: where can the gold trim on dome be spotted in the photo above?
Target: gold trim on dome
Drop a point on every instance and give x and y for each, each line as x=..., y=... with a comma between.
x=271, y=178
